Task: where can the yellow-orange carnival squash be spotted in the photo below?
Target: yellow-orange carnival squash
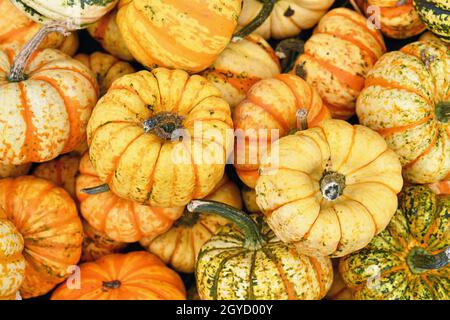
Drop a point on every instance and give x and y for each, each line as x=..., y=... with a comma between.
x=132, y=127
x=177, y=34
x=132, y=276
x=337, y=58
x=48, y=221
x=326, y=191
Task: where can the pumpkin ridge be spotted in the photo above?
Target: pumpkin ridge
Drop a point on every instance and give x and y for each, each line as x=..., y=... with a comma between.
x=317, y=273
x=386, y=132
x=368, y=211
x=80, y=72
x=366, y=164
x=290, y=202
x=152, y=175
x=350, y=149
x=426, y=151
x=251, y=293
x=259, y=104
x=213, y=289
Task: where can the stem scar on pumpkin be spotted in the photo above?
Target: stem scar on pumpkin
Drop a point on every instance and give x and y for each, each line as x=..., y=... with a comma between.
x=420, y=261
x=164, y=125
x=332, y=185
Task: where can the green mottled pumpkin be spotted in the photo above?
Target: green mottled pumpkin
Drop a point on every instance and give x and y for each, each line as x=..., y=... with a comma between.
x=247, y=262
x=436, y=16
x=410, y=258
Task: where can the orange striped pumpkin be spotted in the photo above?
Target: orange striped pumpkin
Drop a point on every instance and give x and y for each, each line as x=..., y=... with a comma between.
x=241, y=65
x=48, y=221
x=407, y=100
x=271, y=104
x=132, y=276
x=337, y=58
x=177, y=34
x=120, y=219
x=45, y=115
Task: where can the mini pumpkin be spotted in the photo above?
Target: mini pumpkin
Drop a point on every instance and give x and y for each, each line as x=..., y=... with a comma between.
x=179, y=247
x=119, y=219
x=436, y=16
x=337, y=58
x=241, y=65
x=407, y=100
x=410, y=259
x=47, y=100
x=106, y=67
x=132, y=276
x=245, y=261
x=47, y=218
x=270, y=111
x=288, y=18
x=198, y=33
x=325, y=191
x=161, y=138
x=7, y=171
x=12, y=262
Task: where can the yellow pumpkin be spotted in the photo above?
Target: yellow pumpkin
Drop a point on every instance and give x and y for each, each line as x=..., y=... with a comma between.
x=288, y=18
x=241, y=65
x=107, y=68
x=177, y=34
x=132, y=127
x=7, y=171
x=338, y=57
x=119, y=219
x=179, y=247
x=326, y=191
x=107, y=33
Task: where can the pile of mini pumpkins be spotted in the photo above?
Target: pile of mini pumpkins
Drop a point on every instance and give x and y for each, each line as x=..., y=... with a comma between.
x=120, y=179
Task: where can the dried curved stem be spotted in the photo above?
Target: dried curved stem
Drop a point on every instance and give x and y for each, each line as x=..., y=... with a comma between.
x=262, y=16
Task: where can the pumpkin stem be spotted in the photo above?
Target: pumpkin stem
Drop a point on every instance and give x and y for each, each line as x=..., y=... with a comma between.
x=443, y=111
x=115, y=284
x=288, y=51
x=419, y=260
x=262, y=16
x=302, y=121
x=332, y=185
x=252, y=235
x=17, y=72
x=164, y=124
x=96, y=190
x=188, y=219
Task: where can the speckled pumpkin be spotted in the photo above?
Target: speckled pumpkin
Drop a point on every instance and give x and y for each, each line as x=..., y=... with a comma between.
x=271, y=105
x=107, y=33
x=325, y=191
x=130, y=136
x=436, y=15
x=338, y=57
x=132, y=276
x=97, y=244
x=247, y=262
x=106, y=68
x=7, y=171
x=410, y=259
x=179, y=247
x=397, y=19
x=12, y=262
x=177, y=34
x=48, y=221
x=288, y=18
x=241, y=65
x=79, y=13
x=120, y=219
x=407, y=100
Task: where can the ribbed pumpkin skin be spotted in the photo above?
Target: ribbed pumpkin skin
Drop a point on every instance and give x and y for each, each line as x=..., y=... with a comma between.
x=7, y=171
x=436, y=15
x=106, y=68
x=108, y=34
x=272, y=104
x=179, y=247
x=399, y=102
x=12, y=262
x=142, y=276
x=97, y=244
x=421, y=221
x=61, y=171
x=48, y=221
x=288, y=18
x=289, y=193
x=398, y=21
x=120, y=219
x=17, y=27
x=338, y=57
x=47, y=114
x=198, y=31
x=79, y=13
x=226, y=270
x=142, y=167
x=241, y=65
